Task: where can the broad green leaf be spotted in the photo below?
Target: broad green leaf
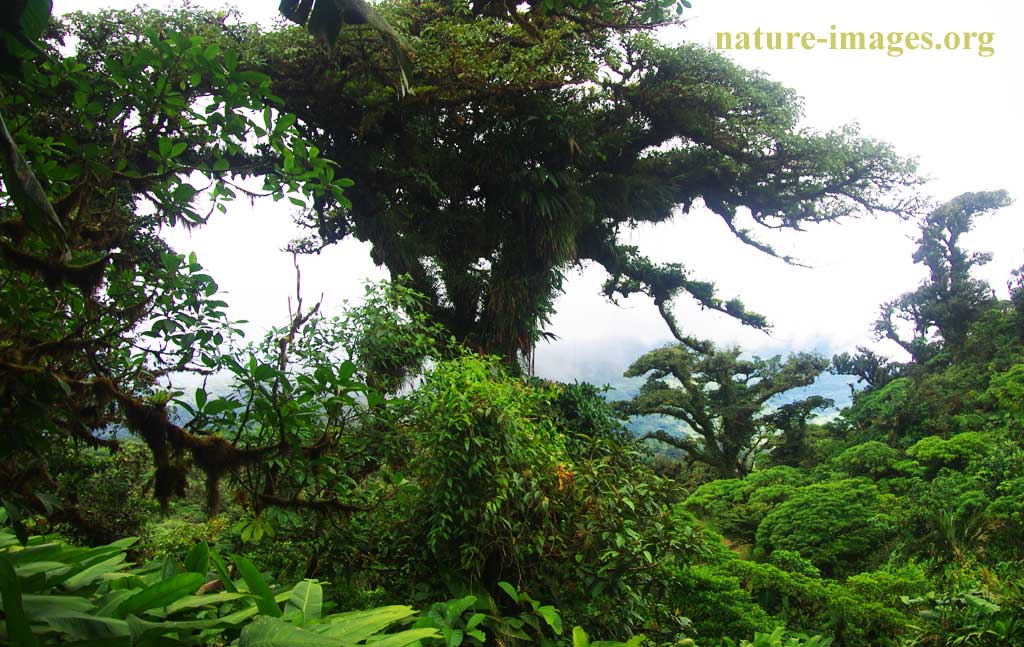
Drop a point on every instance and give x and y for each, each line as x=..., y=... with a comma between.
x=237, y=617
x=211, y=599
x=579, y=637
x=171, y=567
x=222, y=572
x=219, y=405
x=550, y=615
x=139, y=628
x=95, y=572
x=307, y=597
x=265, y=599
x=42, y=552
x=271, y=632
x=39, y=607
x=112, y=601
x=455, y=608
x=161, y=594
x=19, y=632
x=455, y=638
x=35, y=16
x=26, y=192
x=198, y=559
x=83, y=626
x=354, y=626
x=510, y=590
x=31, y=568
x=407, y=637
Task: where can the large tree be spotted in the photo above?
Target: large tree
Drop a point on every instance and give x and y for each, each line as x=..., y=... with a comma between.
x=530, y=140
x=721, y=398
x=940, y=311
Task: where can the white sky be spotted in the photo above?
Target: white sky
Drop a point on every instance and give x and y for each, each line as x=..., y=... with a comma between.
x=959, y=113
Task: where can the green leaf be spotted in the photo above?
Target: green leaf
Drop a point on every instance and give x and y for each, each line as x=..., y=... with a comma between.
x=140, y=628
x=35, y=16
x=19, y=632
x=222, y=572
x=171, y=567
x=220, y=405
x=95, y=572
x=550, y=615
x=198, y=559
x=33, y=568
x=355, y=626
x=161, y=594
x=208, y=600
x=579, y=637
x=510, y=590
x=40, y=607
x=407, y=637
x=265, y=599
x=307, y=597
x=200, y=403
x=82, y=626
x=271, y=632
x=455, y=638
x=27, y=193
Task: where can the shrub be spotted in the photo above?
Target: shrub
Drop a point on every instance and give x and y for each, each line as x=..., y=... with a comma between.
x=837, y=525
x=954, y=453
x=872, y=459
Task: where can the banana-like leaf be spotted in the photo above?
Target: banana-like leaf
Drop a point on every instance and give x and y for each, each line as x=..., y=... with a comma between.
x=308, y=598
x=83, y=626
x=403, y=638
x=222, y=572
x=161, y=594
x=39, y=607
x=140, y=628
x=208, y=600
x=19, y=632
x=95, y=572
x=354, y=626
x=271, y=632
x=198, y=559
x=265, y=599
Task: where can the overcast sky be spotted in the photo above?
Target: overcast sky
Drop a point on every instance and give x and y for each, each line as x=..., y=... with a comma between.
x=956, y=111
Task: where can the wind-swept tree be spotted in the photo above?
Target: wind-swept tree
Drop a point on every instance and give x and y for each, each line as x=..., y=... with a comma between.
x=721, y=398
x=940, y=311
x=868, y=366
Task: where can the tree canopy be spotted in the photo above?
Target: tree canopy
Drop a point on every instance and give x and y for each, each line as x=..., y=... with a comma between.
x=721, y=398
x=529, y=141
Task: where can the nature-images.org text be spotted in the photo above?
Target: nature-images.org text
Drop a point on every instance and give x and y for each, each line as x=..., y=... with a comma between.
x=893, y=43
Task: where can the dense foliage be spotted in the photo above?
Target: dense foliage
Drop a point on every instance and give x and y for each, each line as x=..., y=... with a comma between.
x=306, y=487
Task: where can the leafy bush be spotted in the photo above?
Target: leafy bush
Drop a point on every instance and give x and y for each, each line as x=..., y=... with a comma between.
x=954, y=453
x=872, y=459
x=506, y=491
x=814, y=605
x=103, y=493
x=837, y=525
x=736, y=507
x=889, y=584
x=173, y=536
x=966, y=618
